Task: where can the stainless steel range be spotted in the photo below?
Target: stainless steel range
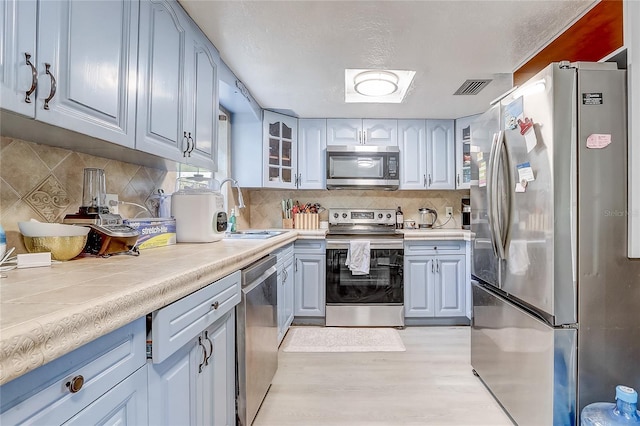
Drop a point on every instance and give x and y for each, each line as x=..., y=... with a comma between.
x=375, y=299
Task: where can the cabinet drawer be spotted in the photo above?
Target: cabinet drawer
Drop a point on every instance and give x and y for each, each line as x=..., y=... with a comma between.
x=43, y=397
x=174, y=325
x=283, y=253
x=310, y=246
x=434, y=247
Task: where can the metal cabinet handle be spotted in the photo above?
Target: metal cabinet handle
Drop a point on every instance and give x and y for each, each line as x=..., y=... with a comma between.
x=75, y=384
x=34, y=78
x=432, y=270
x=52, y=93
x=202, y=364
x=184, y=139
x=206, y=336
x=215, y=305
x=424, y=180
x=429, y=179
x=193, y=144
x=437, y=266
x=458, y=179
x=364, y=136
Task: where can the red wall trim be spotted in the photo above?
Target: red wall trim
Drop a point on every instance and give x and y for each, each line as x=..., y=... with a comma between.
x=594, y=36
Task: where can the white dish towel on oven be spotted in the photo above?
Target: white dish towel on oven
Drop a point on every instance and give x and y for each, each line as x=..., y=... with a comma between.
x=359, y=257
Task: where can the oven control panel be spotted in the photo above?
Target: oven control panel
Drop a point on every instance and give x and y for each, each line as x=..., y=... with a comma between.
x=362, y=216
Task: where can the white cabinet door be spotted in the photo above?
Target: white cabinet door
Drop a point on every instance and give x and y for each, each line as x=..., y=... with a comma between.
x=344, y=131
x=440, y=154
x=201, y=120
x=216, y=384
x=288, y=294
x=412, y=143
x=280, y=139
x=450, y=286
x=380, y=132
x=172, y=386
x=18, y=56
x=419, y=286
x=125, y=404
x=312, y=145
x=463, y=152
x=309, y=285
x=161, y=82
x=355, y=131
x=87, y=66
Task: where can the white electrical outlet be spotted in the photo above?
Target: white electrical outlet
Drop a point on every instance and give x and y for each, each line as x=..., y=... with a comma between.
x=448, y=211
x=112, y=197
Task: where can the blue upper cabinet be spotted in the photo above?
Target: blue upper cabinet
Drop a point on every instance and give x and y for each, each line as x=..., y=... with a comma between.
x=177, y=87
x=83, y=67
x=412, y=143
x=18, y=59
x=357, y=131
x=280, y=149
x=440, y=154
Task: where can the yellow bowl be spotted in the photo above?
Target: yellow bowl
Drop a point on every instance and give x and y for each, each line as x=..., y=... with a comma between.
x=61, y=248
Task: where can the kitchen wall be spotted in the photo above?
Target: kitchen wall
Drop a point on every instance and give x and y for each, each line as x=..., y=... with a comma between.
x=45, y=183
x=264, y=205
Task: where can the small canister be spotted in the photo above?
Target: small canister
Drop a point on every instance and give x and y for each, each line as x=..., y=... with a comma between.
x=409, y=224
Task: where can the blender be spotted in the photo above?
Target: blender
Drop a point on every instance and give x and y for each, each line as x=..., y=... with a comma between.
x=108, y=235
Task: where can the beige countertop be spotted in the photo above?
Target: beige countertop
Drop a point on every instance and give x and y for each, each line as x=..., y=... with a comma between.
x=49, y=311
x=437, y=234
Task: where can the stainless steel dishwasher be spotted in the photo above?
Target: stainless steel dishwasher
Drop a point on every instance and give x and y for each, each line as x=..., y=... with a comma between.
x=256, y=337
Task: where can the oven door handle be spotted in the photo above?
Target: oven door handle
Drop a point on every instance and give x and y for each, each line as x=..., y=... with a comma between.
x=374, y=244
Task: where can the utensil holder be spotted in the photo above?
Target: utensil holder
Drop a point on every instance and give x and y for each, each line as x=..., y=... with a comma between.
x=306, y=221
x=287, y=223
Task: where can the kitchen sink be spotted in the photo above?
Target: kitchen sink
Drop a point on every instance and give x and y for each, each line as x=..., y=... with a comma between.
x=252, y=234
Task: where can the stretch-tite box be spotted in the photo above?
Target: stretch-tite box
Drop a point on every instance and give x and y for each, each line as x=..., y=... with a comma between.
x=154, y=232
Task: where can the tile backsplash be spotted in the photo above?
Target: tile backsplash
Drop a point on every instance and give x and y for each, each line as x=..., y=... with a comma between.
x=264, y=205
x=45, y=183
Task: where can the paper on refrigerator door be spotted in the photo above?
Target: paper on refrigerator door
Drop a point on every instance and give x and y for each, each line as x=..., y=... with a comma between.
x=598, y=141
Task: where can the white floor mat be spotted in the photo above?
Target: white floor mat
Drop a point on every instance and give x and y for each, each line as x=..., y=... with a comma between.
x=337, y=339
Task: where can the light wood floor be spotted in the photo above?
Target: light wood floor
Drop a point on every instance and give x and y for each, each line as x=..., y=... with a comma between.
x=429, y=384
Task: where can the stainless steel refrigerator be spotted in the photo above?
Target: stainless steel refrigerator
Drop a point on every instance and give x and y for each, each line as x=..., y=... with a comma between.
x=556, y=301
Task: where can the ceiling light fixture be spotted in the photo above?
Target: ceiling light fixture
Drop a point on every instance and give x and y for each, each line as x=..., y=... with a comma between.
x=376, y=83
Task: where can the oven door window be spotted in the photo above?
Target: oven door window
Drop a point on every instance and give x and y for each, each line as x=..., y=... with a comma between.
x=356, y=167
x=384, y=284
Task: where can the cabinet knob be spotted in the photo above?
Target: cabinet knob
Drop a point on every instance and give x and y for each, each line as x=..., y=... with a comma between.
x=75, y=384
x=215, y=305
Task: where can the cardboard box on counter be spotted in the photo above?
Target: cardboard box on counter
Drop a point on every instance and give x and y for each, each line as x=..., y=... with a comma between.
x=154, y=232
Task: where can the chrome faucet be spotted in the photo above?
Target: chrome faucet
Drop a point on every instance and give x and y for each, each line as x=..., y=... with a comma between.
x=235, y=183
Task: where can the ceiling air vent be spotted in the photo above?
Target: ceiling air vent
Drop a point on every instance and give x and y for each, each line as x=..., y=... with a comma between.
x=472, y=87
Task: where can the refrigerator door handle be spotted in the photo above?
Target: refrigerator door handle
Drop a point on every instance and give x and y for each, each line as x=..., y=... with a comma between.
x=510, y=185
x=501, y=163
x=492, y=213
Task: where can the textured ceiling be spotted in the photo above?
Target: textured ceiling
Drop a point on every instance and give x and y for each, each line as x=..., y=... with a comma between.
x=291, y=55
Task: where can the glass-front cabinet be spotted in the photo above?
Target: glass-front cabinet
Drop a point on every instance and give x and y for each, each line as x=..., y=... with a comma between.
x=463, y=151
x=280, y=145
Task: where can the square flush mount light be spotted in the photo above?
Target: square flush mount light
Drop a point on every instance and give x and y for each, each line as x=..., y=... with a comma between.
x=376, y=86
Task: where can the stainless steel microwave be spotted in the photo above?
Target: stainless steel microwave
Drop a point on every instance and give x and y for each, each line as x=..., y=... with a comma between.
x=362, y=166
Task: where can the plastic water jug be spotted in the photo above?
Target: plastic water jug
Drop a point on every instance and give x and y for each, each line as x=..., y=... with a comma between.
x=623, y=412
